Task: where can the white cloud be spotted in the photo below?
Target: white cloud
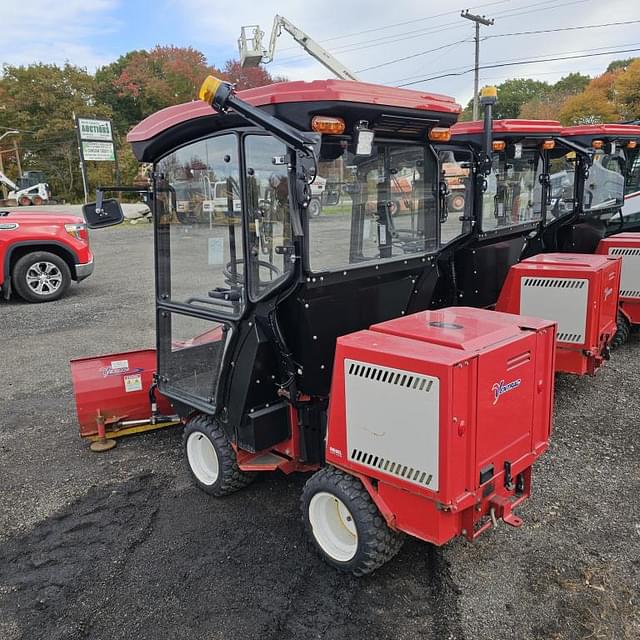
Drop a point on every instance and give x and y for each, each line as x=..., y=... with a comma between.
x=41, y=31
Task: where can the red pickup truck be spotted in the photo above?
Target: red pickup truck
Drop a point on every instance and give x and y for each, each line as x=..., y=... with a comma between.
x=41, y=253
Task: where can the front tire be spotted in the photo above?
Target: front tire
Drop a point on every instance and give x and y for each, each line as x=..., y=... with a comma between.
x=314, y=208
x=41, y=277
x=211, y=458
x=623, y=332
x=344, y=523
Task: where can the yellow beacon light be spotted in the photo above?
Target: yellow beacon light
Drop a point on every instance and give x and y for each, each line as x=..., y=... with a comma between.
x=440, y=134
x=489, y=92
x=208, y=89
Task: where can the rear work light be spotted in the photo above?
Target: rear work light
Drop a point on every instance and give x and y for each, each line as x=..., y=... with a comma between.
x=498, y=145
x=440, y=134
x=77, y=230
x=327, y=124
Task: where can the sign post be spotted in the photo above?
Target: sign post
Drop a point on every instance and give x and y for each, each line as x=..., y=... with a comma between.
x=96, y=144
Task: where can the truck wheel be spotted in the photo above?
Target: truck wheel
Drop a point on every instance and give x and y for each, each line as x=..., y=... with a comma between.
x=623, y=332
x=314, y=208
x=211, y=458
x=344, y=523
x=41, y=277
x=24, y=201
x=37, y=201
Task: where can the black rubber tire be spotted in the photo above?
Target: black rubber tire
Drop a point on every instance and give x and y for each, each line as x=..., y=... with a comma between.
x=230, y=477
x=22, y=266
x=314, y=208
x=377, y=543
x=623, y=332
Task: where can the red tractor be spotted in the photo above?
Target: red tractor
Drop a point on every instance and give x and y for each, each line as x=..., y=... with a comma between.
x=301, y=343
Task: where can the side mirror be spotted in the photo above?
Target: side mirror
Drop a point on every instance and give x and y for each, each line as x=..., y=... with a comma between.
x=104, y=214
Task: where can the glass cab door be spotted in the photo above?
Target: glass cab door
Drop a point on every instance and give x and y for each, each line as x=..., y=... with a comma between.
x=201, y=292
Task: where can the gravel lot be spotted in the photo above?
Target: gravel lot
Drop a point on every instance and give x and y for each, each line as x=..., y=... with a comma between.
x=122, y=545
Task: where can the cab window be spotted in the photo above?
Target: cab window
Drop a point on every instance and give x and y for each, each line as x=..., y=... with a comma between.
x=561, y=196
x=200, y=226
x=604, y=186
x=456, y=172
x=513, y=195
x=366, y=209
x=632, y=183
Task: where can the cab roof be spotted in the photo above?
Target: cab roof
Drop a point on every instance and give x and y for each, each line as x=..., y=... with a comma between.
x=612, y=130
x=507, y=127
x=293, y=102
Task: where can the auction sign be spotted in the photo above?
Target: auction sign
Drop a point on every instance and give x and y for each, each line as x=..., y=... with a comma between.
x=96, y=144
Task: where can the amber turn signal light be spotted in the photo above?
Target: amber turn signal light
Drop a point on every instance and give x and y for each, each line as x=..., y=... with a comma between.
x=440, y=134
x=549, y=144
x=632, y=144
x=597, y=144
x=327, y=124
x=498, y=145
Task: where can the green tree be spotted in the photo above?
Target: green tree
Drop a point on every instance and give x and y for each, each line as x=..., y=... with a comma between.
x=571, y=84
x=617, y=65
x=39, y=100
x=512, y=94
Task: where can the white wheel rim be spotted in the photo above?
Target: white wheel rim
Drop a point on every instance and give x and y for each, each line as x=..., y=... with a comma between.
x=333, y=526
x=202, y=458
x=44, y=278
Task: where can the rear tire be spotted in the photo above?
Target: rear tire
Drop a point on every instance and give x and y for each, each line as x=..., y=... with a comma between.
x=211, y=458
x=24, y=201
x=344, y=523
x=37, y=201
x=623, y=332
x=41, y=277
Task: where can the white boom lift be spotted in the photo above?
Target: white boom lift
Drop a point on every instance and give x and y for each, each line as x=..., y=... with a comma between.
x=37, y=194
x=252, y=52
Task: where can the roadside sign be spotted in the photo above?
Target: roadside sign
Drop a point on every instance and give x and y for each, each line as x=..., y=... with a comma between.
x=98, y=151
x=91, y=129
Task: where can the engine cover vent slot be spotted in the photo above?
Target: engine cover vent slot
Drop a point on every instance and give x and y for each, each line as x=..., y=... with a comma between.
x=381, y=374
x=395, y=468
x=624, y=251
x=630, y=293
x=563, y=283
x=569, y=337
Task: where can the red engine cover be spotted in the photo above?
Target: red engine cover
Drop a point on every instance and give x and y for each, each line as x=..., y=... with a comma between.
x=438, y=407
x=627, y=247
x=579, y=292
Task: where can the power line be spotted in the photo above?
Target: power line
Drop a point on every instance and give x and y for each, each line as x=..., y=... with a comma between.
x=413, y=55
x=401, y=24
x=588, y=26
x=512, y=64
x=559, y=53
x=447, y=26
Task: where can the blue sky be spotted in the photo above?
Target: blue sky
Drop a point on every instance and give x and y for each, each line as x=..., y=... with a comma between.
x=90, y=33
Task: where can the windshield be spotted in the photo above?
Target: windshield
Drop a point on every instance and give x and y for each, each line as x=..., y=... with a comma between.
x=604, y=187
x=370, y=208
x=513, y=194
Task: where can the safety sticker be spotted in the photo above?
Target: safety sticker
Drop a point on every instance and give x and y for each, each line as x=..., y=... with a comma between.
x=133, y=383
x=119, y=365
x=216, y=251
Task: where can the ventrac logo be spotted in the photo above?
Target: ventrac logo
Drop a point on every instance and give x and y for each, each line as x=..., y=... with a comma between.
x=501, y=387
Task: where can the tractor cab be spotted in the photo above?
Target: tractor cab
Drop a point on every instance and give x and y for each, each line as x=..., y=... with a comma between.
x=253, y=289
x=508, y=198
x=609, y=188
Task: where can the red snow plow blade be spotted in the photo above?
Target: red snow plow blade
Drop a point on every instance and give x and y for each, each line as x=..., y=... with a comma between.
x=117, y=391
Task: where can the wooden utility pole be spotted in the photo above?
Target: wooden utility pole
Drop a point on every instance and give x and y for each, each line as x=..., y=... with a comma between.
x=487, y=22
x=15, y=148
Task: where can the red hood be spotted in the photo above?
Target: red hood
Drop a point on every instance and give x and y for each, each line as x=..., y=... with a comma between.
x=40, y=216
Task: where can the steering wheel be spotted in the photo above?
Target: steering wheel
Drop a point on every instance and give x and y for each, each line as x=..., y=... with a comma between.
x=234, y=279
